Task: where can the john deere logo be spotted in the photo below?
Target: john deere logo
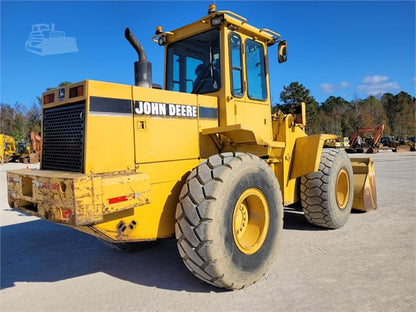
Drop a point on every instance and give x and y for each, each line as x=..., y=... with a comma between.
x=61, y=96
x=163, y=109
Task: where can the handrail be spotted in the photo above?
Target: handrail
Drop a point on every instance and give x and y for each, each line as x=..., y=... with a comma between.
x=242, y=19
x=271, y=32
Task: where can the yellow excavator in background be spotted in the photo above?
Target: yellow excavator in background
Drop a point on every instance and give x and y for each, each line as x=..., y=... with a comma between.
x=21, y=152
x=7, y=147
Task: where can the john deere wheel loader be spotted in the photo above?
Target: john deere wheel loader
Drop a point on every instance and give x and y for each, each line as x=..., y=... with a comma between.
x=202, y=159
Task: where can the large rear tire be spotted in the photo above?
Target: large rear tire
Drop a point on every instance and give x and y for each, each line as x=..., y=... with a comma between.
x=327, y=195
x=229, y=220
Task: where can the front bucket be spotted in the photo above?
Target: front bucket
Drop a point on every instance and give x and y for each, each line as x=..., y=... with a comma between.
x=365, y=196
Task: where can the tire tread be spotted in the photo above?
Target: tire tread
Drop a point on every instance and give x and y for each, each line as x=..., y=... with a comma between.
x=314, y=191
x=193, y=216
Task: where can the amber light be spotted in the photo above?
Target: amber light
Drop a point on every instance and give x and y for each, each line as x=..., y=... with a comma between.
x=49, y=98
x=76, y=91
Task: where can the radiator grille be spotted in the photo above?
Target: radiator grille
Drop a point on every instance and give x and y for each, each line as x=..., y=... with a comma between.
x=63, y=138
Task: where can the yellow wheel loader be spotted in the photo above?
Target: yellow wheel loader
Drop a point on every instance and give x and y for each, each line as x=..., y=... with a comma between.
x=202, y=158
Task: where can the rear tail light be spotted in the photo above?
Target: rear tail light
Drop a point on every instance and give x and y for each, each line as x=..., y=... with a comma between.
x=76, y=91
x=49, y=98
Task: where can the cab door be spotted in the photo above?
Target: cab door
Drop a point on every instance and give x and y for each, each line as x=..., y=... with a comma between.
x=249, y=84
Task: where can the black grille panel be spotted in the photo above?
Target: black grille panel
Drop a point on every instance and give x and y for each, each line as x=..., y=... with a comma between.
x=63, y=138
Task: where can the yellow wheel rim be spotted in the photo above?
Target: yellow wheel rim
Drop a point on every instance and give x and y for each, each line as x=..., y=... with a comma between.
x=343, y=189
x=250, y=221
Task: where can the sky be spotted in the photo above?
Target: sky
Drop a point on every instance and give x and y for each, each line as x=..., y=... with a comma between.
x=350, y=49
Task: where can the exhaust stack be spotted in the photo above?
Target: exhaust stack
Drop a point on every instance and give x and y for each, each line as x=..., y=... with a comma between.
x=142, y=68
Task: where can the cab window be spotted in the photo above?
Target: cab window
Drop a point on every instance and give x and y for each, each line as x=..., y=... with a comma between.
x=256, y=71
x=193, y=64
x=236, y=65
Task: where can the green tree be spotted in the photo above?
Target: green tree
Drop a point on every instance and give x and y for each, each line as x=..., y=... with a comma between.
x=62, y=84
x=372, y=112
x=404, y=119
x=400, y=113
x=338, y=116
x=19, y=126
x=6, y=119
x=296, y=93
x=18, y=121
x=388, y=101
x=33, y=118
x=349, y=123
x=336, y=110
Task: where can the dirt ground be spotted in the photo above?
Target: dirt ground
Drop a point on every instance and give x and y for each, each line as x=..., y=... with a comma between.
x=368, y=265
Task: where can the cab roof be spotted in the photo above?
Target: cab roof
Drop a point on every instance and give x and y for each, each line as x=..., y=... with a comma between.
x=215, y=18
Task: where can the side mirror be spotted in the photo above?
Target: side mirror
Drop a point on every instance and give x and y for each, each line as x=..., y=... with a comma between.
x=282, y=51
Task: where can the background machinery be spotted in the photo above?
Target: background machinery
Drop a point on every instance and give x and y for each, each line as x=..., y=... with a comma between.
x=7, y=147
x=402, y=144
x=411, y=142
x=36, y=143
x=360, y=144
x=20, y=152
x=202, y=159
x=398, y=144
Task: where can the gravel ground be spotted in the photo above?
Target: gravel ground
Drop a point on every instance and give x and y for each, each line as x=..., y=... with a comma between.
x=368, y=265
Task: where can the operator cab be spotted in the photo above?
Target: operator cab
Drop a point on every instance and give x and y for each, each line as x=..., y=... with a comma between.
x=221, y=55
x=197, y=55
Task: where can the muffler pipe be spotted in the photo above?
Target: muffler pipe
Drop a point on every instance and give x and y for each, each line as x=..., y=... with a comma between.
x=142, y=68
x=136, y=45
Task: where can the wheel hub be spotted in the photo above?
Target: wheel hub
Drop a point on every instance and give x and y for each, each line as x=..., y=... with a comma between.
x=241, y=220
x=342, y=189
x=250, y=221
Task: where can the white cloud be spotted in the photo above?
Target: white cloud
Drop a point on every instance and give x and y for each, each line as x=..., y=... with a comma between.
x=414, y=80
x=374, y=85
x=376, y=79
x=330, y=87
x=327, y=88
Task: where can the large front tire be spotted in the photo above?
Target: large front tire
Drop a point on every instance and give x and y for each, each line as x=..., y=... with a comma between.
x=229, y=220
x=327, y=195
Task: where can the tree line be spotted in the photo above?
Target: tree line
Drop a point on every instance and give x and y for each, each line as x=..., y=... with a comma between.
x=336, y=115
x=341, y=117
x=18, y=120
